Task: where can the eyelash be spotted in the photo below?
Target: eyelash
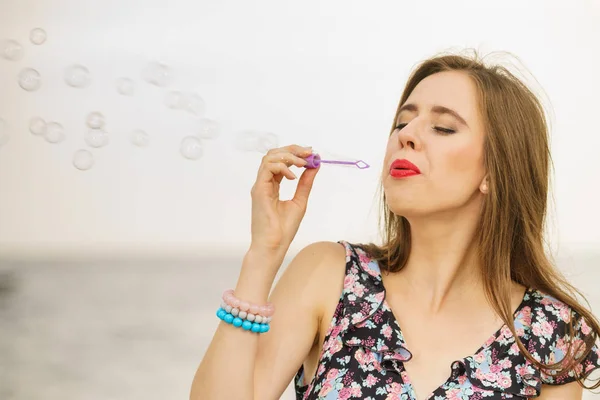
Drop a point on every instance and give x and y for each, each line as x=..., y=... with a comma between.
x=443, y=131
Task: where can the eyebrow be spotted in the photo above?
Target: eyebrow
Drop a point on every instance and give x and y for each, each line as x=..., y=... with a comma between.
x=436, y=109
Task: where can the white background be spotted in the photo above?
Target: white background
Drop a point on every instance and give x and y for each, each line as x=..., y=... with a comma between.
x=326, y=74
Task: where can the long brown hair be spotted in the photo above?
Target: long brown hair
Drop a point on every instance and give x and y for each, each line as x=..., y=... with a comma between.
x=511, y=230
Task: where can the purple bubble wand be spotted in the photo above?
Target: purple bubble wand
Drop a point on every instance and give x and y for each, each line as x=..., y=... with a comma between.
x=314, y=160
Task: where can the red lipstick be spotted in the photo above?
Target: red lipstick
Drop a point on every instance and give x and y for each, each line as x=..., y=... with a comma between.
x=403, y=168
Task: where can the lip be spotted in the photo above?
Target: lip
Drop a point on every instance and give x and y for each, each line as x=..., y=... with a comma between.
x=402, y=168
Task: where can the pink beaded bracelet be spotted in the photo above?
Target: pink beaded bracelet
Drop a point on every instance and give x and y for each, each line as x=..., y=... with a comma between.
x=265, y=311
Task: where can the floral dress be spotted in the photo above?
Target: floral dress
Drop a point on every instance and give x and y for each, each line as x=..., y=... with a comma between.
x=364, y=352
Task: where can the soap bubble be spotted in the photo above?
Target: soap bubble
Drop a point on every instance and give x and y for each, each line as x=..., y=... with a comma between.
x=4, y=136
x=195, y=104
x=190, y=102
x=191, y=148
x=267, y=142
x=77, y=76
x=83, y=160
x=37, y=126
x=37, y=36
x=96, y=138
x=54, y=133
x=209, y=129
x=29, y=79
x=256, y=141
x=157, y=74
x=140, y=138
x=125, y=86
x=95, y=120
x=175, y=100
x=11, y=50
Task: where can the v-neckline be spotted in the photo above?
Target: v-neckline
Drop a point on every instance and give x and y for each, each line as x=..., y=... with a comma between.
x=486, y=344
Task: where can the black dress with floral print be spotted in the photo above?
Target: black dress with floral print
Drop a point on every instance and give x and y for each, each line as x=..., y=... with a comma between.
x=364, y=352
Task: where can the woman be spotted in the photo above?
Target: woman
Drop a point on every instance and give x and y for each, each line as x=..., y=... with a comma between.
x=460, y=301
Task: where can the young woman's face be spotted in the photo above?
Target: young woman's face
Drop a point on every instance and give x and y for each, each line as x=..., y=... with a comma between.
x=438, y=130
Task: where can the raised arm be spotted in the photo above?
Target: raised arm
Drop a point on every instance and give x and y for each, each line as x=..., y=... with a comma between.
x=229, y=366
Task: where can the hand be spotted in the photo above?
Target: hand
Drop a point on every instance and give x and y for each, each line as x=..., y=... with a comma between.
x=275, y=222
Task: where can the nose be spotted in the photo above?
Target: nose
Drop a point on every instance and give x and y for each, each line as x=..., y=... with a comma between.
x=410, y=136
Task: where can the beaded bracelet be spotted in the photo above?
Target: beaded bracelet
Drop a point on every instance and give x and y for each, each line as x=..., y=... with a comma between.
x=246, y=310
x=236, y=312
x=248, y=316
x=244, y=324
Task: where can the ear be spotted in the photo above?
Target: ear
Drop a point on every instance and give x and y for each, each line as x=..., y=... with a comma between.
x=484, y=187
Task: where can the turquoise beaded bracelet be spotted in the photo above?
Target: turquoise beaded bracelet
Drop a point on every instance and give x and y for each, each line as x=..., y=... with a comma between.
x=244, y=324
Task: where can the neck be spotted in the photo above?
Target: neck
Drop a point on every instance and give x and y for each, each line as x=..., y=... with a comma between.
x=443, y=264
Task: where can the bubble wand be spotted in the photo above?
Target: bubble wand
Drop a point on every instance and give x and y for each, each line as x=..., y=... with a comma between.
x=314, y=160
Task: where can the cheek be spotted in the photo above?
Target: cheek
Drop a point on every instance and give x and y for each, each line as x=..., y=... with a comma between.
x=462, y=162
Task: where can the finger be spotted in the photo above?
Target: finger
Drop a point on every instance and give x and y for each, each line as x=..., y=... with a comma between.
x=291, y=155
x=282, y=169
x=297, y=150
x=271, y=170
x=305, y=184
x=285, y=155
x=288, y=159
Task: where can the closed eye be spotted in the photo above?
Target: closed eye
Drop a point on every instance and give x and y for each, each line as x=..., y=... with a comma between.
x=445, y=131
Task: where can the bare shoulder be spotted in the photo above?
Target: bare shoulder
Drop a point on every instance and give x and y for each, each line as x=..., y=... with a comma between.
x=317, y=267
x=300, y=297
x=329, y=279
x=323, y=251
x=314, y=280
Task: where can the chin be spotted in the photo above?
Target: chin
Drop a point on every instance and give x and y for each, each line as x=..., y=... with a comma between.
x=406, y=209
x=404, y=201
